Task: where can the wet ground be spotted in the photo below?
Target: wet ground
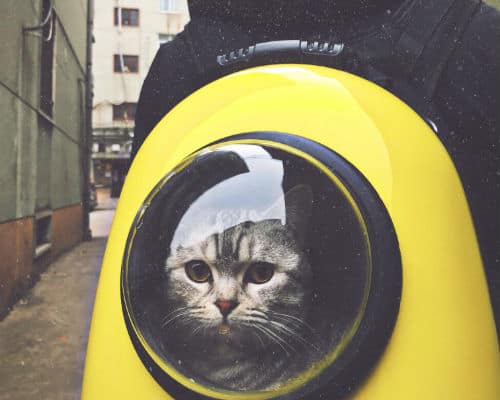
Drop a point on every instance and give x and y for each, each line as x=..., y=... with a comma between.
x=43, y=340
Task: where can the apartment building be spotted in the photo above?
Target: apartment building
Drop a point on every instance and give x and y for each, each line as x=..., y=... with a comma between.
x=127, y=35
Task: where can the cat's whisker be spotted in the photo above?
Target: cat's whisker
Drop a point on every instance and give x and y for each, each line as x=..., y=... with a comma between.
x=291, y=323
x=296, y=330
x=282, y=330
x=272, y=337
x=292, y=318
x=251, y=318
x=257, y=312
x=180, y=312
x=261, y=316
x=279, y=339
x=258, y=337
x=252, y=331
x=175, y=317
x=287, y=330
x=197, y=329
x=180, y=309
x=293, y=334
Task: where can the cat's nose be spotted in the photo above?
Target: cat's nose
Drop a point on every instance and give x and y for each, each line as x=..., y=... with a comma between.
x=226, y=306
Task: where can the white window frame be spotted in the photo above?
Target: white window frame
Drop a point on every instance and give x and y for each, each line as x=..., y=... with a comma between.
x=169, y=7
x=162, y=38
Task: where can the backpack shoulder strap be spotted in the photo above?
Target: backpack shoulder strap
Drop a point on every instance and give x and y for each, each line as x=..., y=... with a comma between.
x=429, y=31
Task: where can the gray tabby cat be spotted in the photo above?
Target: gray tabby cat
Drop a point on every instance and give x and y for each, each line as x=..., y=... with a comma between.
x=239, y=302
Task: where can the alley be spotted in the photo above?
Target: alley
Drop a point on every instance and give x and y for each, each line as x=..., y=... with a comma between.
x=43, y=339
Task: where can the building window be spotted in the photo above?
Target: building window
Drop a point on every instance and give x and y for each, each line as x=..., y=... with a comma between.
x=168, y=6
x=124, y=112
x=129, y=16
x=42, y=233
x=164, y=38
x=126, y=63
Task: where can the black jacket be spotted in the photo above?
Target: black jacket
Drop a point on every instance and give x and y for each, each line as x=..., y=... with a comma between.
x=467, y=95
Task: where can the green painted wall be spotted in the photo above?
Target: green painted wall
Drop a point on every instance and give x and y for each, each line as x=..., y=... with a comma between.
x=73, y=14
x=66, y=176
x=41, y=159
x=19, y=72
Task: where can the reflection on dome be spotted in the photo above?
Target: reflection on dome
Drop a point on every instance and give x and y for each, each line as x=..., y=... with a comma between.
x=250, y=269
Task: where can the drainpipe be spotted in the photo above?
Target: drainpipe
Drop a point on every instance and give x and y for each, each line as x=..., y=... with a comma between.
x=87, y=135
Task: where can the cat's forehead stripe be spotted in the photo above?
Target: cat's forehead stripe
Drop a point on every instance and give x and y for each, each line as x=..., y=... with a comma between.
x=237, y=245
x=238, y=234
x=218, y=244
x=242, y=250
x=227, y=242
x=210, y=248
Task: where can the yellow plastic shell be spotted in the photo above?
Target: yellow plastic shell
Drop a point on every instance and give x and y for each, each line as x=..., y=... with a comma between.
x=444, y=344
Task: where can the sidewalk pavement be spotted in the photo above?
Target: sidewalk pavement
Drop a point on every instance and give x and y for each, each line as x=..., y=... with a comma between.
x=43, y=340
x=104, y=199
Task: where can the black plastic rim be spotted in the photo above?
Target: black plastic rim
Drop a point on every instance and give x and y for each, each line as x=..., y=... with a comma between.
x=353, y=365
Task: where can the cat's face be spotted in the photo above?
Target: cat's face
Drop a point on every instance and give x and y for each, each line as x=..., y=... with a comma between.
x=248, y=283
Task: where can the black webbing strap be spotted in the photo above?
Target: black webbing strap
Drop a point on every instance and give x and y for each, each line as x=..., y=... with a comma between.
x=429, y=32
x=416, y=20
x=440, y=47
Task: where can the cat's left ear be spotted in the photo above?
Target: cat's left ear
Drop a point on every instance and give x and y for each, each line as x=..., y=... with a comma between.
x=298, y=204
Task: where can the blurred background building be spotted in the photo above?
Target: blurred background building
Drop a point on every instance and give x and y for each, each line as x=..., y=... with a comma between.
x=45, y=104
x=127, y=35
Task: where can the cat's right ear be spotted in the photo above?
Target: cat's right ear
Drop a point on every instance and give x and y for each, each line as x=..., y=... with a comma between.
x=298, y=203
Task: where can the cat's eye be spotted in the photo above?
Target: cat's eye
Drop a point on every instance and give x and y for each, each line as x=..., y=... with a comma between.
x=198, y=271
x=260, y=272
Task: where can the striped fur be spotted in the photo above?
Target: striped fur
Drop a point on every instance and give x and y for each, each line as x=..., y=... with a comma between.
x=266, y=339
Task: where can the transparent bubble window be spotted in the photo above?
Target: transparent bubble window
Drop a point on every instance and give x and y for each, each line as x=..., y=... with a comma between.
x=248, y=269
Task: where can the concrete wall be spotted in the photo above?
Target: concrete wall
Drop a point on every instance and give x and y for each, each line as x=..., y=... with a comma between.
x=41, y=156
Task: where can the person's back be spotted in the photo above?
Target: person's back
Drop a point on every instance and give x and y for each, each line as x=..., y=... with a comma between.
x=180, y=66
x=466, y=92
